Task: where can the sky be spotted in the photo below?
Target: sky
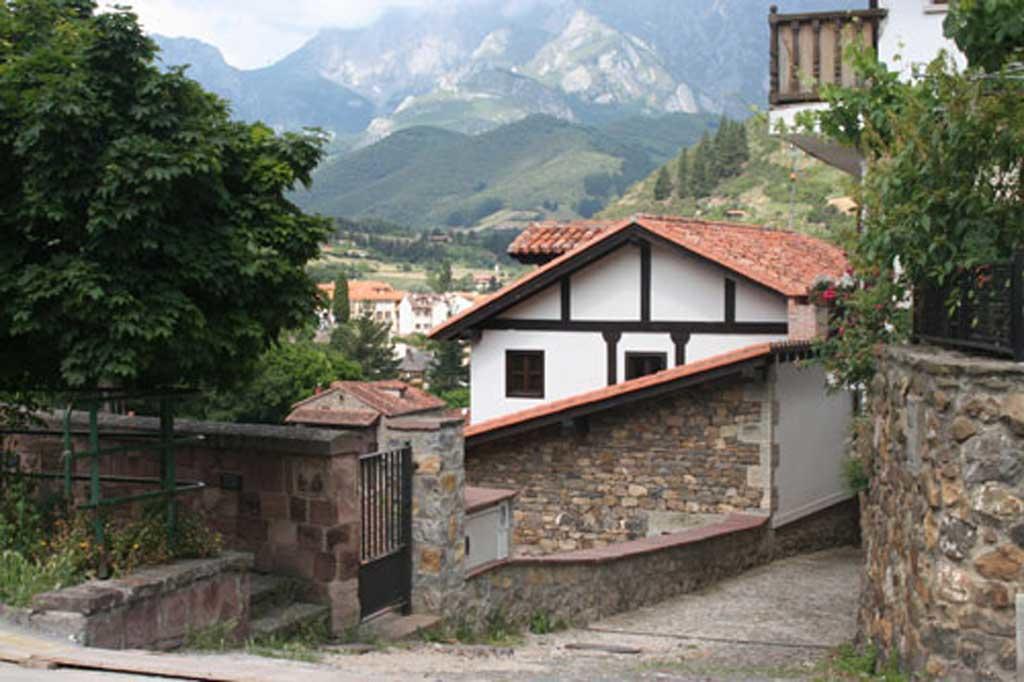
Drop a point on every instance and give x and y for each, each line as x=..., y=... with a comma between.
x=255, y=33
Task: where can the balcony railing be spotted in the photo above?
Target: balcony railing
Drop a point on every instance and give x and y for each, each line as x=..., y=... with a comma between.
x=806, y=50
x=981, y=310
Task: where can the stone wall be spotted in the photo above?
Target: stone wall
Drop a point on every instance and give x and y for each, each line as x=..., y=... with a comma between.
x=634, y=469
x=152, y=608
x=287, y=494
x=585, y=585
x=438, y=509
x=943, y=519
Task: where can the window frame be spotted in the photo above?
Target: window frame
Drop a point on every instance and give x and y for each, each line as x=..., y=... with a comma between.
x=514, y=391
x=637, y=355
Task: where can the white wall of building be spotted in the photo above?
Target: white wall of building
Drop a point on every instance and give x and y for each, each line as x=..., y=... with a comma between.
x=574, y=362
x=703, y=346
x=642, y=343
x=608, y=289
x=913, y=30
x=544, y=305
x=812, y=428
x=757, y=304
x=685, y=287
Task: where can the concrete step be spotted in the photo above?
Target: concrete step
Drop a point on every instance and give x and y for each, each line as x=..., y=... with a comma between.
x=393, y=627
x=285, y=620
x=268, y=591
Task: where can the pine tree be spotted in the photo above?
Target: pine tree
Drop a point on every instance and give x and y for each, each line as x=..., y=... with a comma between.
x=368, y=343
x=699, y=180
x=340, y=306
x=663, y=185
x=447, y=371
x=683, y=189
x=440, y=278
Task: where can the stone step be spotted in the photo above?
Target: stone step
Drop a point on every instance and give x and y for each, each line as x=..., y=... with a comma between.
x=268, y=591
x=285, y=620
x=394, y=627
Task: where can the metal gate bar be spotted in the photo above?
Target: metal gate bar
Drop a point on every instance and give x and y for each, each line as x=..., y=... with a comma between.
x=385, y=492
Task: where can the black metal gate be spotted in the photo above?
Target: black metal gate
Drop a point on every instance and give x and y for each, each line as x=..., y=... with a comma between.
x=385, y=567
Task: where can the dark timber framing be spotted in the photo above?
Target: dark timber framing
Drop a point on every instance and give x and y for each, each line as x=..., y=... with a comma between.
x=566, y=300
x=625, y=326
x=680, y=339
x=645, y=281
x=483, y=317
x=730, y=300
x=611, y=338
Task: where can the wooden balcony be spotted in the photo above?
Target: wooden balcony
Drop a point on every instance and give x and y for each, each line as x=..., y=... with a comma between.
x=806, y=50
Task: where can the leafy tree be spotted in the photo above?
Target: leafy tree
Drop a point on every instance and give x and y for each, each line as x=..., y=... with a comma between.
x=683, y=189
x=342, y=307
x=368, y=343
x=448, y=370
x=989, y=32
x=147, y=238
x=285, y=373
x=662, y=185
x=440, y=278
x=942, y=192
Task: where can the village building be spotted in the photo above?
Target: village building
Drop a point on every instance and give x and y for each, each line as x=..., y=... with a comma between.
x=418, y=313
x=647, y=377
x=414, y=366
x=377, y=300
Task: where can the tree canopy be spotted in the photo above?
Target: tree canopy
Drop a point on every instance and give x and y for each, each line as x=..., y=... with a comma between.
x=367, y=342
x=147, y=237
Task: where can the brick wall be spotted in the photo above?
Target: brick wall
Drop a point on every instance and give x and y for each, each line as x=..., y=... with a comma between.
x=943, y=519
x=806, y=321
x=634, y=468
x=297, y=507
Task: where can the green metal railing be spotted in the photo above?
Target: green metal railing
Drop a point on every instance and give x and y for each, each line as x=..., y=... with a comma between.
x=164, y=443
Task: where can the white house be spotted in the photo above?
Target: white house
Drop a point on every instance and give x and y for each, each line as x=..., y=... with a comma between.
x=418, y=313
x=807, y=51
x=617, y=301
x=377, y=300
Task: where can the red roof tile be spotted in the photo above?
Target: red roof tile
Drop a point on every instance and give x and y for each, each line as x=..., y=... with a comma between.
x=691, y=369
x=391, y=397
x=786, y=262
x=552, y=238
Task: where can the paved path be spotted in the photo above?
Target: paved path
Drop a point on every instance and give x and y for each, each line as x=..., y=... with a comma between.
x=774, y=622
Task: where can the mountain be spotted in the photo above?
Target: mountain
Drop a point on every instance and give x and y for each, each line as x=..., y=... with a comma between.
x=285, y=97
x=779, y=185
x=473, y=65
x=534, y=168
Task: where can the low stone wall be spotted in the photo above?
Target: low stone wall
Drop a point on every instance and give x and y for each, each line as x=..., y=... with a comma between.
x=153, y=608
x=585, y=585
x=286, y=494
x=695, y=451
x=943, y=519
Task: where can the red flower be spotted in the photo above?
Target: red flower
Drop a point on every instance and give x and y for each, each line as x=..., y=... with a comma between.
x=829, y=294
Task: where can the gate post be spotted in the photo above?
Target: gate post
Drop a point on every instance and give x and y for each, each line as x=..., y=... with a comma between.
x=438, y=509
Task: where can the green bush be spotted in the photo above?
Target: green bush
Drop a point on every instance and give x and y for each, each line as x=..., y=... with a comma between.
x=21, y=578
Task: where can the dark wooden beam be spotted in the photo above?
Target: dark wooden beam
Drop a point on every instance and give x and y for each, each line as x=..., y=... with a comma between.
x=680, y=339
x=611, y=339
x=645, y=281
x=626, y=326
x=730, y=300
x=566, y=300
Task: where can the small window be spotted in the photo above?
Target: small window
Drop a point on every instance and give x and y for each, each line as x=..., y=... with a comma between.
x=524, y=374
x=642, y=364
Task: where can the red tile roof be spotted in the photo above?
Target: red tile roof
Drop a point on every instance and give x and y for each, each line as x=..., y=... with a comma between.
x=372, y=290
x=481, y=498
x=786, y=262
x=325, y=416
x=593, y=398
x=553, y=238
x=391, y=397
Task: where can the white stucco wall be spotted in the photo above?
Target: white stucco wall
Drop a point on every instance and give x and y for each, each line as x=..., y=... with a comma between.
x=685, y=287
x=608, y=289
x=705, y=345
x=574, y=362
x=643, y=343
x=913, y=30
x=544, y=305
x=813, y=426
x=757, y=304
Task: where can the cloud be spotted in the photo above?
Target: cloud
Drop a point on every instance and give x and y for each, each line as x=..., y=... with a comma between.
x=256, y=33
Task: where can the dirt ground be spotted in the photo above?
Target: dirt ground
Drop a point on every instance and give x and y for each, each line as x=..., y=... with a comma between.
x=776, y=622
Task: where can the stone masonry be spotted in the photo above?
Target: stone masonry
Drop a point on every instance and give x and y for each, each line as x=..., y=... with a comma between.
x=636, y=469
x=439, y=512
x=943, y=519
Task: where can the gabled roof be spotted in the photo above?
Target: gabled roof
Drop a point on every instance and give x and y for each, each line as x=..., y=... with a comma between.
x=329, y=416
x=542, y=241
x=690, y=374
x=391, y=397
x=780, y=260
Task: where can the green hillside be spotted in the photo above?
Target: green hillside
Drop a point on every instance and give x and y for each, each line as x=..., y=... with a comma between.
x=532, y=169
x=779, y=186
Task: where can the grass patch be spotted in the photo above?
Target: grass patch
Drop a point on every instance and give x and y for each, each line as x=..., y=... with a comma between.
x=541, y=623
x=850, y=663
x=212, y=638
x=496, y=631
x=302, y=645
